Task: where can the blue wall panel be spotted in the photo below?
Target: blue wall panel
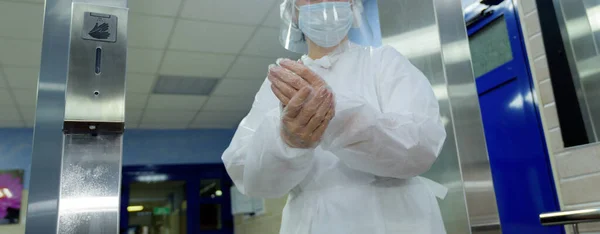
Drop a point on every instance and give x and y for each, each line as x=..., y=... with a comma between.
x=141, y=147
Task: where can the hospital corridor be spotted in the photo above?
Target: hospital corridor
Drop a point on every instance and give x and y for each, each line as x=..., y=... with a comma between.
x=299, y=116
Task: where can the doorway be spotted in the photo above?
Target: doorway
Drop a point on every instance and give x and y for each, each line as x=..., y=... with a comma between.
x=176, y=199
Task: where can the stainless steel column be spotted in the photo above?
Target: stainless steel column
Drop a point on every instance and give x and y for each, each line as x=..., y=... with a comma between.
x=432, y=34
x=466, y=116
x=76, y=167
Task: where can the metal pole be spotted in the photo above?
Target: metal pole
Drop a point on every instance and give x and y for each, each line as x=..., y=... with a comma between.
x=77, y=150
x=466, y=118
x=575, y=228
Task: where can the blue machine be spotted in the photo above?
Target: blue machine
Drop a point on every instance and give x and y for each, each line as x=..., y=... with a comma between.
x=521, y=169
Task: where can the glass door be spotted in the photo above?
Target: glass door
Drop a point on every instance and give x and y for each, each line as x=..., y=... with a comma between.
x=157, y=208
x=176, y=199
x=211, y=205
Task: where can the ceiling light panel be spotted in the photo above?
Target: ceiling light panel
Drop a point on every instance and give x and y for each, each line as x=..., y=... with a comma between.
x=185, y=85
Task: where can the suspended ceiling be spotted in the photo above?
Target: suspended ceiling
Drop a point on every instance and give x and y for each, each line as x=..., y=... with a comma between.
x=231, y=40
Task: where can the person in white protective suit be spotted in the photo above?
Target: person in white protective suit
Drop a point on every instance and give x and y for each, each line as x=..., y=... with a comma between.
x=345, y=131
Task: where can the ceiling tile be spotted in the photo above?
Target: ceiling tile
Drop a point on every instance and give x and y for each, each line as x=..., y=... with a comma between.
x=133, y=116
x=238, y=88
x=23, y=78
x=140, y=83
x=29, y=17
x=135, y=100
x=196, y=64
x=26, y=97
x=131, y=125
x=155, y=7
x=5, y=98
x=3, y=83
x=222, y=118
x=273, y=19
x=250, y=67
x=176, y=102
x=29, y=124
x=162, y=116
x=34, y=1
x=231, y=11
x=181, y=125
x=20, y=52
x=149, y=31
x=182, y=85
x=209, y=37
x=9, y=113
x=266, y=43
x=143, y=60
x=228, y=104
x=12, y=124
x=28, y=113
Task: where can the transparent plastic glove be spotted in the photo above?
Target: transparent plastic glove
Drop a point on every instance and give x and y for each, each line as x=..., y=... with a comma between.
x=306, y=117
x=287, y=77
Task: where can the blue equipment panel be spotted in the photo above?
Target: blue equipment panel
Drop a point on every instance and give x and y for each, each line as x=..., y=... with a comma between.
x=521, y=168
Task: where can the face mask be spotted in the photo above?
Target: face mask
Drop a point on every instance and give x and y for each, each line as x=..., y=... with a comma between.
x=327, y=23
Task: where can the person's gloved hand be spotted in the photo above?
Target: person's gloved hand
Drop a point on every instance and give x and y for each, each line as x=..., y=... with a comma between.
x=306, y=117
x=291, y=76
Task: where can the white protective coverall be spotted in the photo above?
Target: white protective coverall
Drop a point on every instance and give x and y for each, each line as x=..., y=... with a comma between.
x=363, y=177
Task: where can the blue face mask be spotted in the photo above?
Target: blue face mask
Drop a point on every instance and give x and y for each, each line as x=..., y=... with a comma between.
x=327, y=23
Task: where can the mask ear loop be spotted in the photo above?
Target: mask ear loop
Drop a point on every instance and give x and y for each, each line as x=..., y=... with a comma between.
x=357, y=15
